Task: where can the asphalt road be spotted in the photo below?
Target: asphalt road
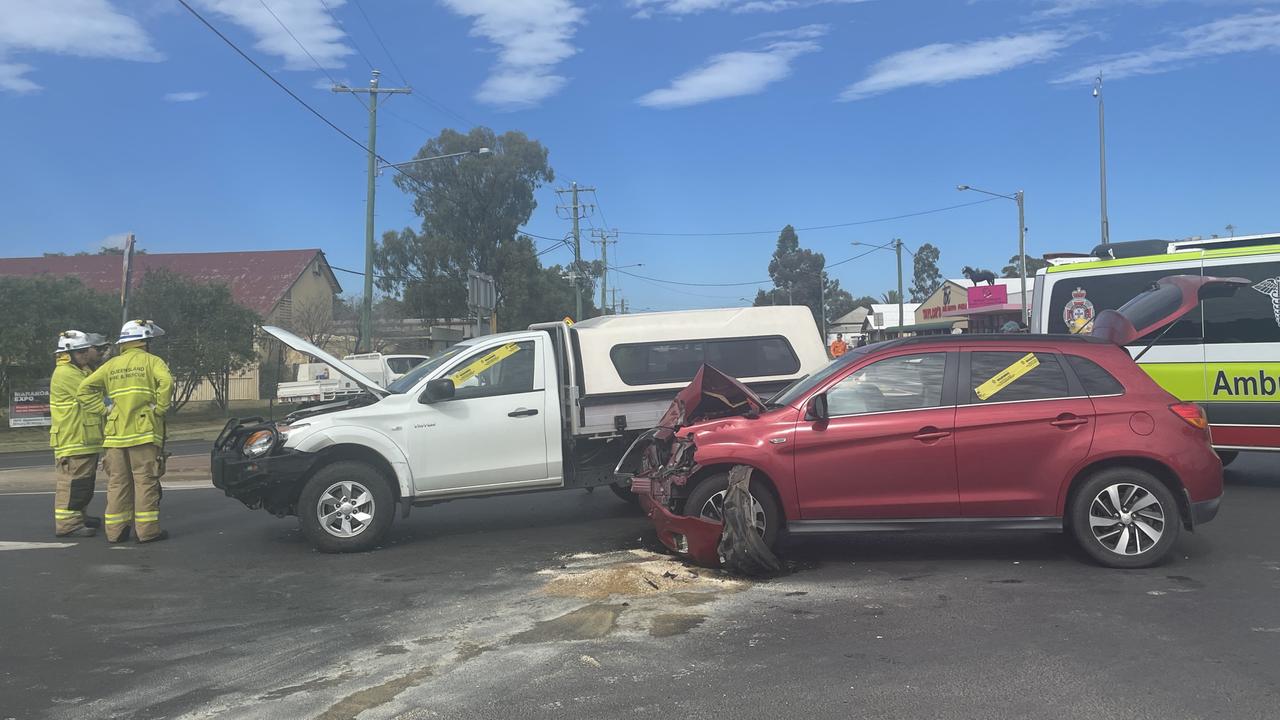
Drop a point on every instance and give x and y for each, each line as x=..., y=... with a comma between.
x=500, y=608
x=44, y=458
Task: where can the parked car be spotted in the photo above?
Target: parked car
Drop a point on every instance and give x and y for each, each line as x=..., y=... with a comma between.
x=982, y=432
x=547, y=408
x=321, y=382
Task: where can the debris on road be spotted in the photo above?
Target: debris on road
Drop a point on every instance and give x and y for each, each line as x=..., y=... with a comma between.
x=742, y=550
x=631, y=573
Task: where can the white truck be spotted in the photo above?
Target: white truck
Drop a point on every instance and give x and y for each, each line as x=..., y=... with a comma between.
x=321, y=382
x=551, y=407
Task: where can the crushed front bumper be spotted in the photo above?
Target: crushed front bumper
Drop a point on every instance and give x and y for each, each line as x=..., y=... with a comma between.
x=272, y=481
x=696, y=538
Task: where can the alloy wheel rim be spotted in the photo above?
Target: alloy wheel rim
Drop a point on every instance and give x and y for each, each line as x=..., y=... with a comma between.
x=713, y=509
x=1126, y=519
x=345, y=509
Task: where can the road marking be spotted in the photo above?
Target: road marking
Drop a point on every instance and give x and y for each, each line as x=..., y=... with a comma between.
x=34, y=545
x=167, y=488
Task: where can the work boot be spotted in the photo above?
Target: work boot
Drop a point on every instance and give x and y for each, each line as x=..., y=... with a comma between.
x=123, y=537
x=92, y=522
x=164, y=535
x=80, y=532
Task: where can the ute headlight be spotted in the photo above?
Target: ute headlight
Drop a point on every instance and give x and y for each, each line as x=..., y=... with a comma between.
x=284, y=430
x=259, y=443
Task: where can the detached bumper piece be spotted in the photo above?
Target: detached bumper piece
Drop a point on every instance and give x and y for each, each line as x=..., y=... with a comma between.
x=271, y=481
x=734, y=544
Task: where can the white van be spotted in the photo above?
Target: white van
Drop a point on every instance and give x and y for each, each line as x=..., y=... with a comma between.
x=320, y=382
x=554, y=406
x=1225, y=355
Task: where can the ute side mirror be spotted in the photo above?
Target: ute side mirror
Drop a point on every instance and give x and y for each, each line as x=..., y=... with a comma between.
x=816, y=411
x=438, y=390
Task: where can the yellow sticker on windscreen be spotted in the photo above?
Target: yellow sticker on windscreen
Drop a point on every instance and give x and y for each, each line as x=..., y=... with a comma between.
x=1002, y=379
x=484, y=363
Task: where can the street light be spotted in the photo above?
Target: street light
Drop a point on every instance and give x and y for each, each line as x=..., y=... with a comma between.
x=1022, y=244
x=366, y=308
x=1102, y=160
x=481, y=151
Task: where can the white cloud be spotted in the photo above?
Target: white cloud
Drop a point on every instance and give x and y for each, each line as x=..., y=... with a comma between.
x=1250, y=32
x=310, y=23
x=942, y=63
x=730, y=75
x=804, y=32
x=532, y=36
x=186, y=96
x=80, y=28
x=646, y=8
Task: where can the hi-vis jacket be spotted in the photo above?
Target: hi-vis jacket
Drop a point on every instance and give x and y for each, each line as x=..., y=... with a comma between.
x=75, y=430
x=140, y=386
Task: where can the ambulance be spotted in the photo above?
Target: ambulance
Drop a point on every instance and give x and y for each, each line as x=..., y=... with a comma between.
x=1225, y=355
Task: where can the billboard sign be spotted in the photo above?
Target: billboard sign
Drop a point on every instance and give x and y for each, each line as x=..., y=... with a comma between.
x=987, y=295
x=30, y=408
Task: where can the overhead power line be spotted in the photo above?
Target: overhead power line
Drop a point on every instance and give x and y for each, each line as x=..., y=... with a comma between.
x=304, y=49
x=338, y=22
x=812, y=227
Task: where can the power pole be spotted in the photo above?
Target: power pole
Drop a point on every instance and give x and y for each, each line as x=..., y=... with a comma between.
x=1022, y=258
x=613, y=297
x=576, y=214
x=366, y=311
x=897, y=249
x=126, y=278
x=603, y=242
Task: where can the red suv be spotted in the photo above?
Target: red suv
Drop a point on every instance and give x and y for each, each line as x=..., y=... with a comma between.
x=988, y=432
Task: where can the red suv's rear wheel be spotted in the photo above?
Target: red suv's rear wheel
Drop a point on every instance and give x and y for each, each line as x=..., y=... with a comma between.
x=1125, y=518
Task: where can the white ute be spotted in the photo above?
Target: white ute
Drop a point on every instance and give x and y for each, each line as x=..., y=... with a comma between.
x=551, y=407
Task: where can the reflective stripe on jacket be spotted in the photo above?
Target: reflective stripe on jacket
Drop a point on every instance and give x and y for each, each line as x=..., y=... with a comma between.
x=75, y=431
x=139, y=385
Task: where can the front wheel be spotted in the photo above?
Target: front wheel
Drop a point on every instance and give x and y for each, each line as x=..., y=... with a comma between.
x=1125, y=518
x=347, y=506
x=707, y=502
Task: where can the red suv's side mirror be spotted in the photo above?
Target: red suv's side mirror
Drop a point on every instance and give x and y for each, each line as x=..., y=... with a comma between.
x=816, y=410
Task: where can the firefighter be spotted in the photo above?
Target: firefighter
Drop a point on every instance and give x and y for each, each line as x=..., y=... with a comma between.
x=139, y=385
x=76, y=434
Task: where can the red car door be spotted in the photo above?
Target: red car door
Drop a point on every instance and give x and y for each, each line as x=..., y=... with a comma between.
x=1022, y=425
x=886, y=449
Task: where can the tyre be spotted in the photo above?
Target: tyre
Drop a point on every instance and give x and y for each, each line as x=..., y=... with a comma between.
x=623, y=490
x=1125, y=518
x=707, y=501
x=1227, y=456
x=346, y=506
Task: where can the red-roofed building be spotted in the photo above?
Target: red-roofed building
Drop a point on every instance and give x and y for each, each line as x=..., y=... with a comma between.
x=281, y=286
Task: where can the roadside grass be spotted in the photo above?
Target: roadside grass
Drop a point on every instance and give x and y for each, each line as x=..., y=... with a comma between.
x=196, y=421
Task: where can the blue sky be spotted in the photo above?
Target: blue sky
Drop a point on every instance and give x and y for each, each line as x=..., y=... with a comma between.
x=689, y=116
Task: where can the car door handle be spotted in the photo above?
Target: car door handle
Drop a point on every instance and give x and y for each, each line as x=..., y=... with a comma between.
x=1066, y=421
x=929, y=434
x=522, y=412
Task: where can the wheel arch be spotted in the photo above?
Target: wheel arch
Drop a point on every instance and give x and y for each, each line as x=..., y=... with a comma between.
x=705, y=471
x=1159, y=470
x=366, y=444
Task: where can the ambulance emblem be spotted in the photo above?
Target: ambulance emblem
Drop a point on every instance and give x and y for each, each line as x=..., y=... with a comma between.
x=1078, y=313
x=1271, y=288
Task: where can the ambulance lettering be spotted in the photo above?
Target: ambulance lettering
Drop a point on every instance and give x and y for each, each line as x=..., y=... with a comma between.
x=1246, y=385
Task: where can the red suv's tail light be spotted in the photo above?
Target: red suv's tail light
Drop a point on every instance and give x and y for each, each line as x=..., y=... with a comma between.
x=1192, y=413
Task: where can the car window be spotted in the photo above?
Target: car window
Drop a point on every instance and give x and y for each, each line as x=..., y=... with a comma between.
x=1011, y=376
x=1251, y=314
x=405, y=383
x=403, y=365
x=504, y=370
x=905, y=382
x=669, y=362
x=1075, y=302
x=1093, y=377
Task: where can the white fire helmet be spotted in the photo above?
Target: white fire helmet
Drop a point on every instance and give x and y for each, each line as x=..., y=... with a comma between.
x=139, y=330
x=75, y=340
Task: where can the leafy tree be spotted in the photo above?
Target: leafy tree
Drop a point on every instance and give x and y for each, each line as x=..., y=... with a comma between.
x=1033, y=264
x=36, y=310
x=796, y=273
x=469, y=207
x=532, y=293
x=925, y=278
x=890, y=297
x=207, y=335
x=865, y=301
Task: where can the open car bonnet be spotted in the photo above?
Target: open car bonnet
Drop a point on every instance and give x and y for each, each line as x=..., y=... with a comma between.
x=1160, y=306
x=711, y=394
x=303, y=346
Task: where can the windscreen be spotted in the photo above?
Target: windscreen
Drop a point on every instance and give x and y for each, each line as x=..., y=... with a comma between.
x=407, y=382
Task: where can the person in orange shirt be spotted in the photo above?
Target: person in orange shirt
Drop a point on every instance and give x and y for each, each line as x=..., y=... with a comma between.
x=839, y=346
